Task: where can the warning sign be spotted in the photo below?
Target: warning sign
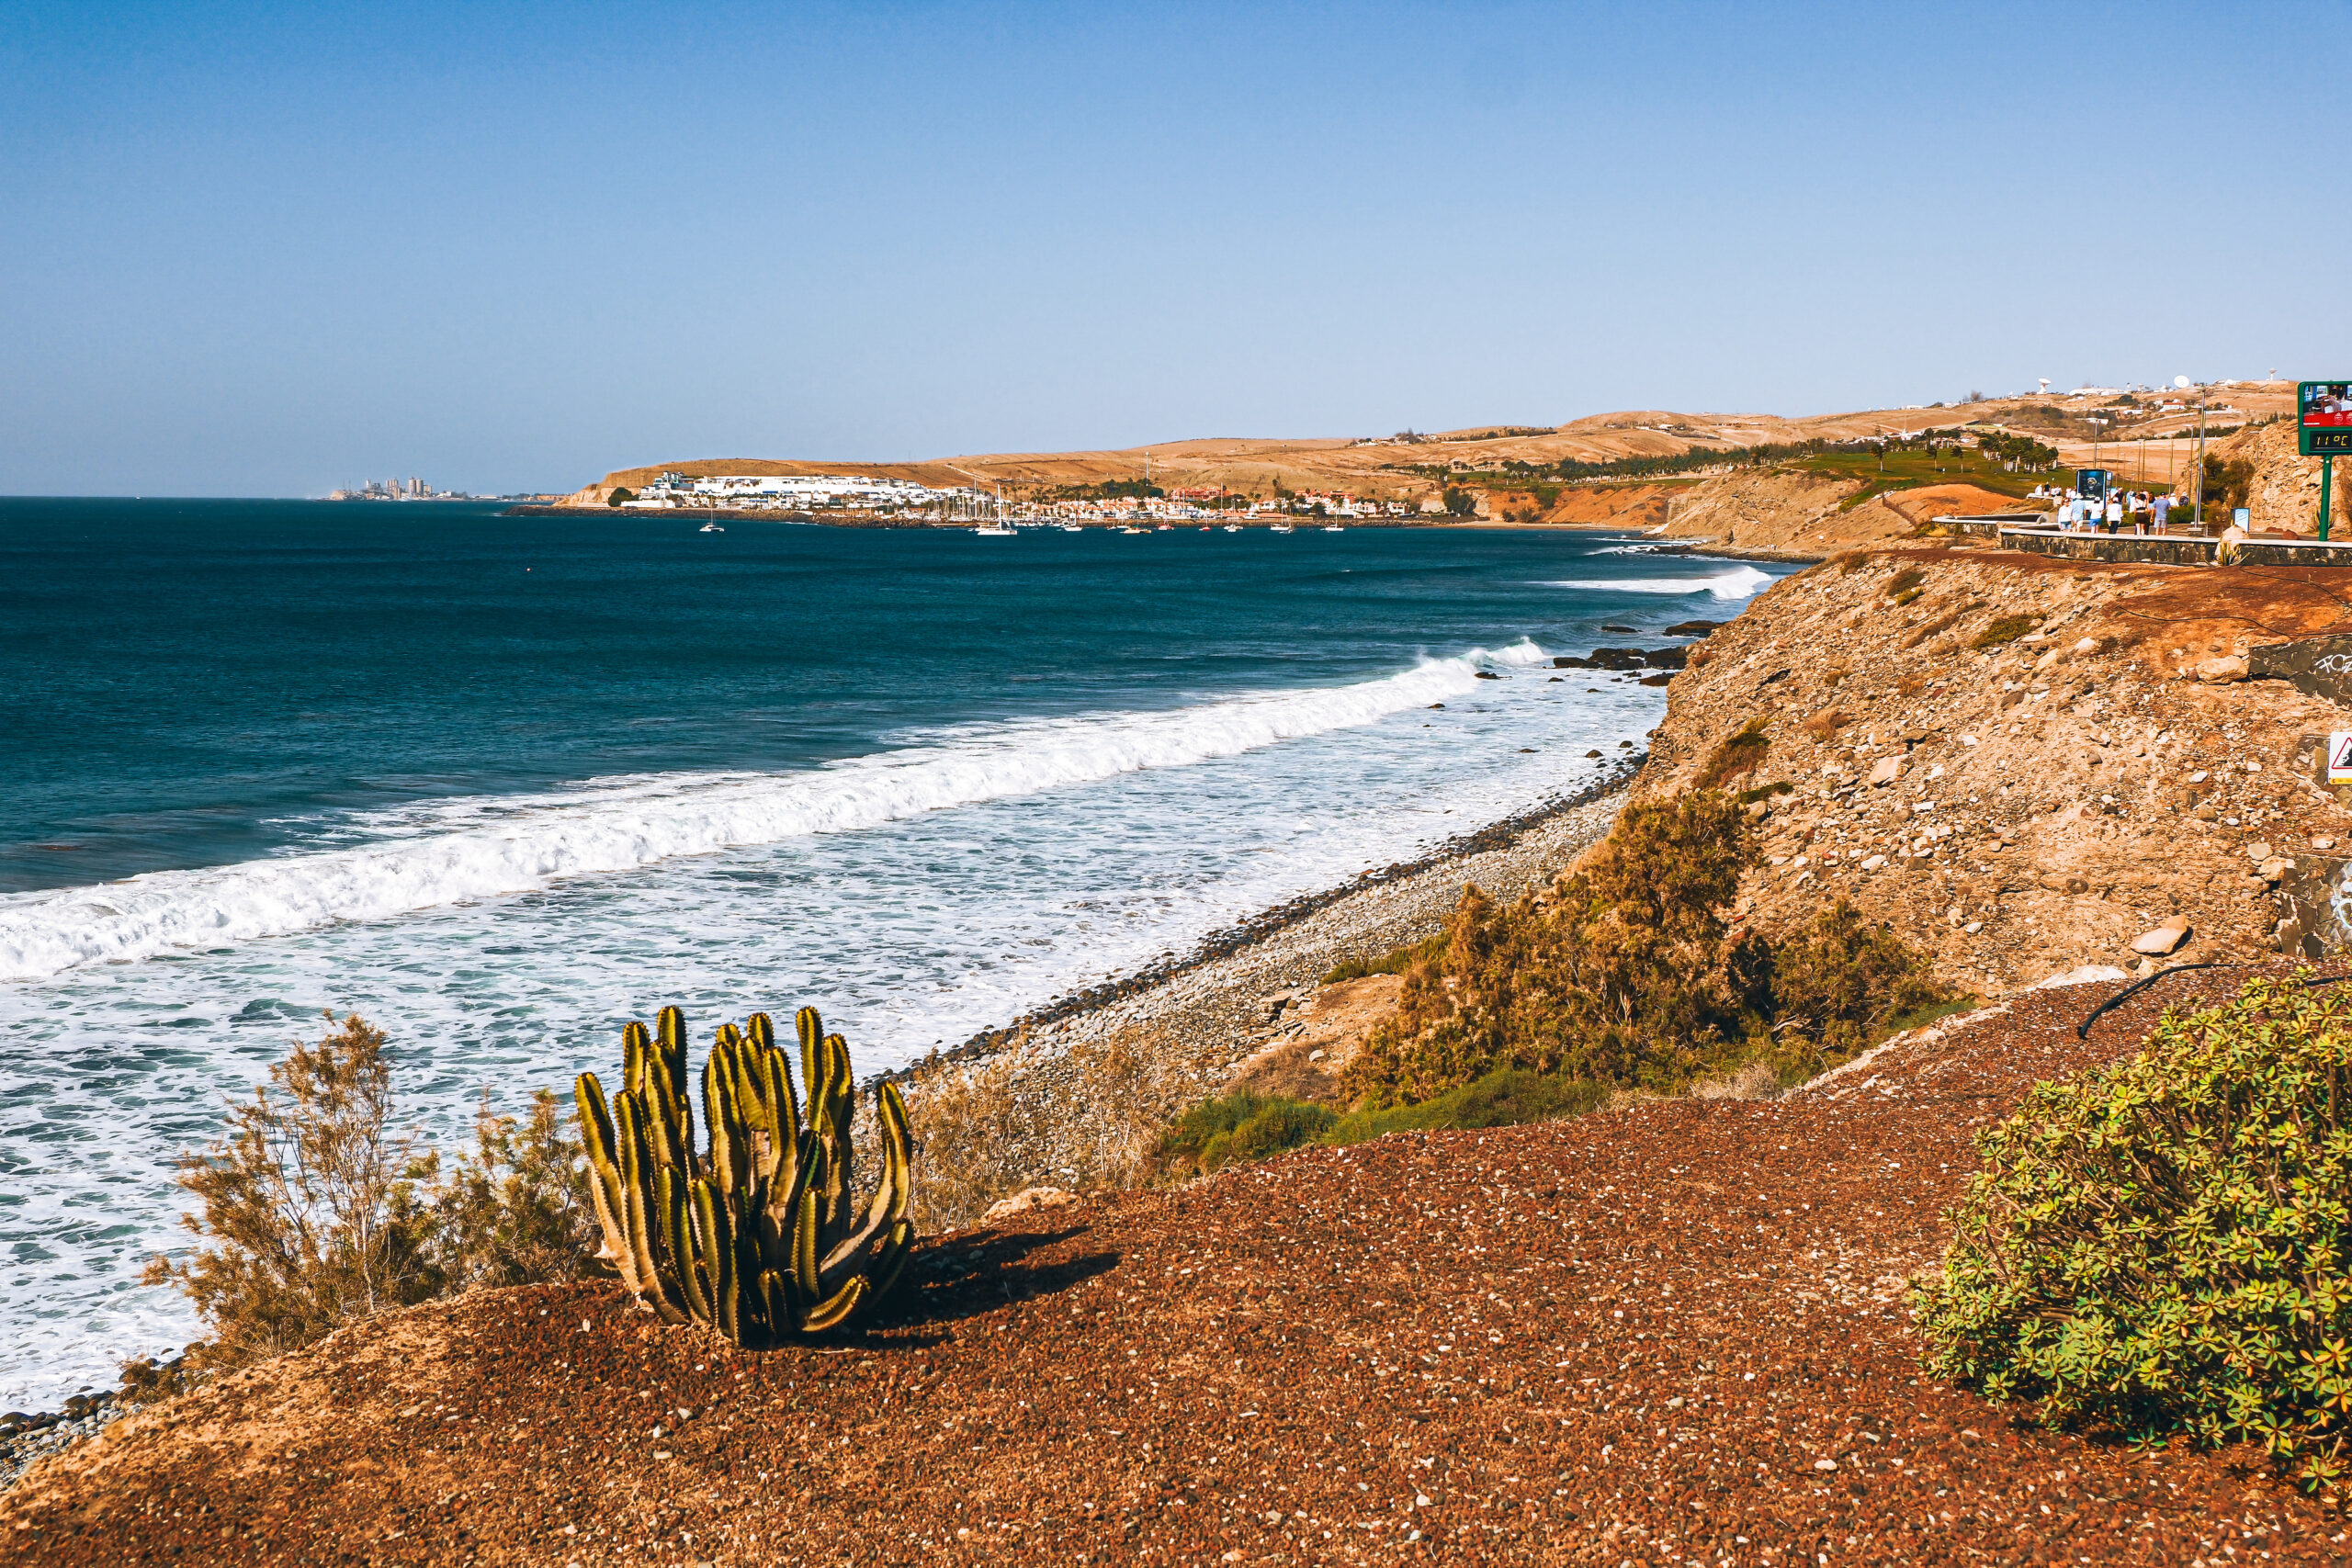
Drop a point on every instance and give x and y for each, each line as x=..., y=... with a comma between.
x=2339, y=757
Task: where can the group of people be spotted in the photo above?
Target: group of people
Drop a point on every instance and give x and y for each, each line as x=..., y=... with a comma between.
x=2134, y=510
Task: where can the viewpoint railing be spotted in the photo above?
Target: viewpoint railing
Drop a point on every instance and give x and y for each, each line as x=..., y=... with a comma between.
x=2031, y=532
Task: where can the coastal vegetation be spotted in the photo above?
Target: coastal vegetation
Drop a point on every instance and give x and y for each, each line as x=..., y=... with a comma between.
x=760, y=1233
x=1627, y=974
x=2160, y=1248
x=1244, y=1126
x=315, y=1209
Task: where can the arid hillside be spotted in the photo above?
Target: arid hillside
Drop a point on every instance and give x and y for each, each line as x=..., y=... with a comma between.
x=1677, y=1332
x=2027, y=765
x=1411, y=465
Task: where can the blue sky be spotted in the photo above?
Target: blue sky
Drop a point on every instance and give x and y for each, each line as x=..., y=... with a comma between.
x=257, y=250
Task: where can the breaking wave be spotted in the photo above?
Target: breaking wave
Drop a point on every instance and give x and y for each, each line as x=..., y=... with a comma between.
x=450, y=851
x=1739, y=582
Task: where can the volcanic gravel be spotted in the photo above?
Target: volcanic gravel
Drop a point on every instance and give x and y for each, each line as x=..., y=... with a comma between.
x=1676, y=1332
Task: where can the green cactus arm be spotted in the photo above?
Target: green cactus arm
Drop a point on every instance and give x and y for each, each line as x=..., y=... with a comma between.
x=837, y=1309
x=892, y=1260
x=782, y=1302
x=778, y=1224
x=672, y=1027
x=887, y=1207
x=812, y=1038
x=604, y=1178
x=728, y=1165
x=841, y=1163
x=804, y=1246
x=679, y=1226
x=636, y=1173
x=785, y=1154
x=715, y=1240
x=636, y=1056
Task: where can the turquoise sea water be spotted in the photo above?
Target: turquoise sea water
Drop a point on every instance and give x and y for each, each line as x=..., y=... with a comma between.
x=500, y=783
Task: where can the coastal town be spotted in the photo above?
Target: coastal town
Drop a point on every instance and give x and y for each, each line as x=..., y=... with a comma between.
x=892, y=498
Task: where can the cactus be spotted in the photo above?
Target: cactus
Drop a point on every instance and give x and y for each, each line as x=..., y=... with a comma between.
x=760, y=1235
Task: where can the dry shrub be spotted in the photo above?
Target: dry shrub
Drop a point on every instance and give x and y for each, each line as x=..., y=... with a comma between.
x=315, y=1211
x=1087, y=1119
x=1910, y=686
x=1850, y=562
x=1740, y=753
x=1824, y=725
x=1629, y=978
x=510, y=1213
x=310, y=1203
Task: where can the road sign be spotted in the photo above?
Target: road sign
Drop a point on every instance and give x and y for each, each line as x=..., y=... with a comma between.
x=2339, y=757
x=2323, y=417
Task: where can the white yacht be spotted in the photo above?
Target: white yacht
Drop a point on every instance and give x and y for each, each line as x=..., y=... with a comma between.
x=712, y=529
x=1280, y=528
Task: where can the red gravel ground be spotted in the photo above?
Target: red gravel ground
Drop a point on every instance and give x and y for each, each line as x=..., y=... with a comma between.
x=1671, y=1334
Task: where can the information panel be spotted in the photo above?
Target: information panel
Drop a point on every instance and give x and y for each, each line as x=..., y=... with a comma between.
x=2323, y=417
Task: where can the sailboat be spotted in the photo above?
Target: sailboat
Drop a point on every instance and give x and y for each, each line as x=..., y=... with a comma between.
x=1280, y=528
x=710, y=528
x=993, y=523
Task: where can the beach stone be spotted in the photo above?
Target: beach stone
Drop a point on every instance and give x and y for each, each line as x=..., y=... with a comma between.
x=1615, y=658
x=1883, y=772
x=1667, y=658
x=2165, y=939
x=2259, y=851
x=2217, y=671
x=1695, y=629
x=1029, y=1198
x=2087, y=975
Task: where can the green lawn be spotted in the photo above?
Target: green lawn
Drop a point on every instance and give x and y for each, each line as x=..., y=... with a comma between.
x=1911, y=471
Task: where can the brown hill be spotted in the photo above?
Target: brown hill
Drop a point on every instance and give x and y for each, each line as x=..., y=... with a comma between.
x=1675, y=1332
x=1395, y=468
x=2041, y=802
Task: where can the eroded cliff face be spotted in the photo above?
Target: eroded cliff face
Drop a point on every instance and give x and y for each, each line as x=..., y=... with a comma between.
x=2026, y=806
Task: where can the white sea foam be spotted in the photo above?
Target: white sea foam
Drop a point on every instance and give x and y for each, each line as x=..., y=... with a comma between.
x=451, y=851
x=1740, y=583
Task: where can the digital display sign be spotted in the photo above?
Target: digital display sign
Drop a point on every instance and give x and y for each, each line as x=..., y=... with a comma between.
x=2323, y=417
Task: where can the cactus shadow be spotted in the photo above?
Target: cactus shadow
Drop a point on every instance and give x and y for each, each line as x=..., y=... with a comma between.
x=957, y=1279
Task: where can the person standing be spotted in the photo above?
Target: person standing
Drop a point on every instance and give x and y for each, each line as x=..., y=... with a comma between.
x=2164, y=514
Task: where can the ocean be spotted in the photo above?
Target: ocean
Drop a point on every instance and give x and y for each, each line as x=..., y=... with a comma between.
x=499, y=783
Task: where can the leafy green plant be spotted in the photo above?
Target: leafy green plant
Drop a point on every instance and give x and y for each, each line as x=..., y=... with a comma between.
x=758, y=1232
x=2163, y=1248
x=2009, y=628
x=1241, y=1125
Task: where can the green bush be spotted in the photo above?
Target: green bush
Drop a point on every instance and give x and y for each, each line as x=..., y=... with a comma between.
x=1393, y=961
x=1505, y=1099
x=2164, y=1247
x=1627, y=974
x=2009, y=628
x=1241, y=1125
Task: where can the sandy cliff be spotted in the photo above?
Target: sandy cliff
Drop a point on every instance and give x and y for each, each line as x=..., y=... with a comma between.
x=2028, y=807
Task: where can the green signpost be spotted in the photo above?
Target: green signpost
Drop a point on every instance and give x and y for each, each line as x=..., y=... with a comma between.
x=2322, y=429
